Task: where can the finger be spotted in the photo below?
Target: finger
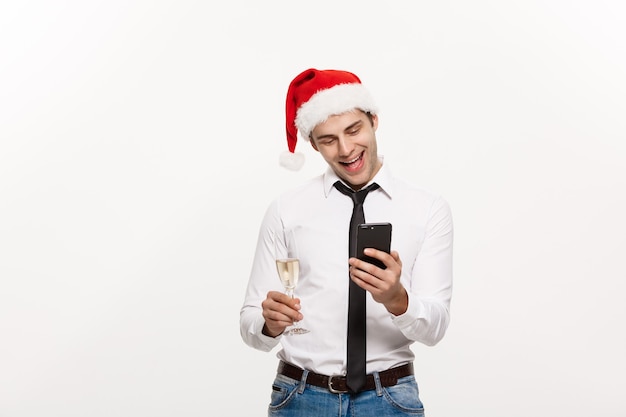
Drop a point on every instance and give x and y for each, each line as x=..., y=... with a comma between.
x=283, y=312
x=280, y=298
x=278, y=318
x=375, y=253
x=391, y=261
x=360, y=265
x=396, y=257
x=366, y=280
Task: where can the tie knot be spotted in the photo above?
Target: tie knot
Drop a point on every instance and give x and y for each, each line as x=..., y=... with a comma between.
x=358, y=197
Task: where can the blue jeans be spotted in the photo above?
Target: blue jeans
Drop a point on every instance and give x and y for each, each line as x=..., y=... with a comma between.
x=293, y=398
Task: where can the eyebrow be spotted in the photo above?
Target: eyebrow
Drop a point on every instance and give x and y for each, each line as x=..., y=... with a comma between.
x=352, y=126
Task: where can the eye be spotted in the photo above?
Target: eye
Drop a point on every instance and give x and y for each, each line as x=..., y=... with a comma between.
x=354, y=129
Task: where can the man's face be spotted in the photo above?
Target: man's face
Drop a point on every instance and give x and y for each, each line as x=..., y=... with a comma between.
x=347, y=143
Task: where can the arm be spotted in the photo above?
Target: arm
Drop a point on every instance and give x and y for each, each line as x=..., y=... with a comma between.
x=428, y=313
x=421, y=311
x=266, y=310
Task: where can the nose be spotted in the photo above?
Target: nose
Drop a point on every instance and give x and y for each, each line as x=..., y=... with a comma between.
x=345, y=146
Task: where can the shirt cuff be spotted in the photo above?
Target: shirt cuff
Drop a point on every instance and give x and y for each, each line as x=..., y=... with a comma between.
x=267, y=341
x=411, y=314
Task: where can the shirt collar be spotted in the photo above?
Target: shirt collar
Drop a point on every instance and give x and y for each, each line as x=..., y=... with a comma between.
x=383, y=178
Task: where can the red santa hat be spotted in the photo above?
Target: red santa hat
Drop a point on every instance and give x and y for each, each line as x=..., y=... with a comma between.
x=313, y=96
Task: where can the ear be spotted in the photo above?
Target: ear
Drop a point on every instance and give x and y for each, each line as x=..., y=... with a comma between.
x=312, y=142
x=374, y=122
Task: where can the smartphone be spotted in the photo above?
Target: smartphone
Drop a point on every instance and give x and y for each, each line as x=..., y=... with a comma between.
x=373, y=235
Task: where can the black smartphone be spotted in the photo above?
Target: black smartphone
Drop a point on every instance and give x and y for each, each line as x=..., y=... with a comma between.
x=373, y=235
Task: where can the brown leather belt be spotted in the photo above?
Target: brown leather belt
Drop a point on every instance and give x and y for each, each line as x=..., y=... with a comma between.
x=337, y=384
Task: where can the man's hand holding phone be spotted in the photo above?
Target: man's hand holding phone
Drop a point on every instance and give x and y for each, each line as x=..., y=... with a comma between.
x=377, y=269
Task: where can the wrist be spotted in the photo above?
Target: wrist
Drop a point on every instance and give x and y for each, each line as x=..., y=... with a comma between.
x=267, y=332
x=399, y=304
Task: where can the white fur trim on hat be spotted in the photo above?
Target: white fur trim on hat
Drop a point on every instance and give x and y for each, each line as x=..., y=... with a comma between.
x=332, y=101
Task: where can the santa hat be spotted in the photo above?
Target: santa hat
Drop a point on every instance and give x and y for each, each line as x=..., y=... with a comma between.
x=313, y=96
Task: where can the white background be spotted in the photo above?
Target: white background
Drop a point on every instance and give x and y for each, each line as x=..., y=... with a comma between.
x=131, y=134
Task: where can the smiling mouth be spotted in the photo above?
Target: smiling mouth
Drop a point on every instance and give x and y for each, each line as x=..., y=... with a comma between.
x=353, y=161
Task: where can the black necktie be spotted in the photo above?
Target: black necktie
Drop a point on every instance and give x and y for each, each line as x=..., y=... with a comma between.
x=355, y=377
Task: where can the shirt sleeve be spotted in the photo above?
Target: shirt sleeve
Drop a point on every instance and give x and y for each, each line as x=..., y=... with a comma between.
x=262, y=279
x=430, y=292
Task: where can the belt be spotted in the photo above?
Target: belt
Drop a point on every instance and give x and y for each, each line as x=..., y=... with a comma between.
x=337, y=383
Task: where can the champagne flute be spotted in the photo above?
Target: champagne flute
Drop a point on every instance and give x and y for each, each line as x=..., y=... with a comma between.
x=288, y=267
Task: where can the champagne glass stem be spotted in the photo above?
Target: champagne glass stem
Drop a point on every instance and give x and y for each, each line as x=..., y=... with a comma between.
x=296, y=323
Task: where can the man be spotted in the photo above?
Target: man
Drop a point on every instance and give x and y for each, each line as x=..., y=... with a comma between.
x=319, y=373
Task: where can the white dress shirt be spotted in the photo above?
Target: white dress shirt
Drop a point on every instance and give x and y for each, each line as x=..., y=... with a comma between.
x=317, y=216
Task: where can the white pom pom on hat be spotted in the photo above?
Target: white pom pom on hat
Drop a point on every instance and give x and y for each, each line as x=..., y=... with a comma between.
x=312, y=97
x=293, y=161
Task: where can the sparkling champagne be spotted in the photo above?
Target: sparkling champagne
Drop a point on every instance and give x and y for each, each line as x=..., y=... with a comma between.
x=288, y=270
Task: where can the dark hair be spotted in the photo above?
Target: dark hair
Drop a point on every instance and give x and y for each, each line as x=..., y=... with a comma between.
x=369, y=115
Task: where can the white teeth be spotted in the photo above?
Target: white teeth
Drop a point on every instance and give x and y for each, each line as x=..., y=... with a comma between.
x=354, y=160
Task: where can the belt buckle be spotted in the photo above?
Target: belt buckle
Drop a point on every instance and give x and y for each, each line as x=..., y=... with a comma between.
x=330, y=385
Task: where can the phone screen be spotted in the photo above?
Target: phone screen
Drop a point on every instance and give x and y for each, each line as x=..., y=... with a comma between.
x=373, y=235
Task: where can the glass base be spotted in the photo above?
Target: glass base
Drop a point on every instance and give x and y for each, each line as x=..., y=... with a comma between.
x=295, y=331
